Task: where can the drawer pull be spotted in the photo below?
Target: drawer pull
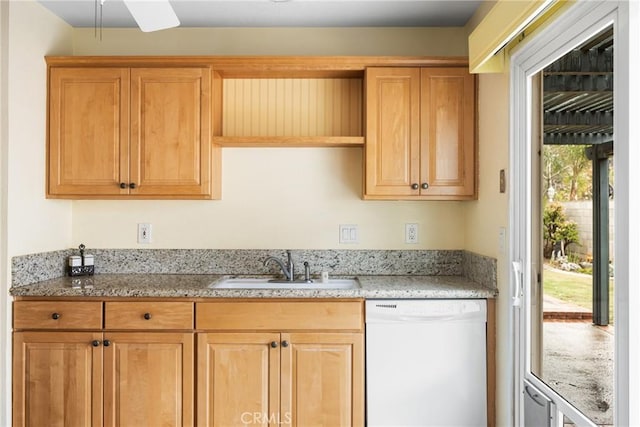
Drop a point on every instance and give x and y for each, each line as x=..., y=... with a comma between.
x=95, y=343
x=147, y=316
x=107, y=343
x=55, y=316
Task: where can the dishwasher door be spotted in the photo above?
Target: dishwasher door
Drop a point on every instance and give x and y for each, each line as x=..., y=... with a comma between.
x=426, y=363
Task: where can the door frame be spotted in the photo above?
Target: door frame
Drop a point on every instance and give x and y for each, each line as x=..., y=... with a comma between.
x=578, y=23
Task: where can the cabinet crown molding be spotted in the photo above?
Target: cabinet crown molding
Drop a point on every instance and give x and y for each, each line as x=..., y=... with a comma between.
x=263, y=66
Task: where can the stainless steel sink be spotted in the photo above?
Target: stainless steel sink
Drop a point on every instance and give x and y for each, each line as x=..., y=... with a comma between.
x=268, y=283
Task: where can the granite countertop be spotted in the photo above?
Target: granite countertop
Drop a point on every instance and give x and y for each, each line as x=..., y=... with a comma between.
x=197, y=286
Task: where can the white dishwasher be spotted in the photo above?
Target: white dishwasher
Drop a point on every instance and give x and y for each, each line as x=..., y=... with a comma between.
x=426, y=363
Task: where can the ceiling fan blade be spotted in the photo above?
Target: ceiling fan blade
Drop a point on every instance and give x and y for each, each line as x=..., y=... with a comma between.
x=152, y=15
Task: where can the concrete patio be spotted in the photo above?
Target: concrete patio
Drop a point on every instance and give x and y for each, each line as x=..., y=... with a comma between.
x=578, y=360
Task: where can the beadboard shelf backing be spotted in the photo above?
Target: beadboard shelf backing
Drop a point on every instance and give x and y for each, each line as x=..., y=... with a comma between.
x=291, y=111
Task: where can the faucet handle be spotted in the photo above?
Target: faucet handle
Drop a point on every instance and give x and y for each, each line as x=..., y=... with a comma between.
x=307, y=273
x=290, y=266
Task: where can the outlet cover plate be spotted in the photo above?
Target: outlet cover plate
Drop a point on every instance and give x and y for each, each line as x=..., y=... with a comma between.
x=411, y=233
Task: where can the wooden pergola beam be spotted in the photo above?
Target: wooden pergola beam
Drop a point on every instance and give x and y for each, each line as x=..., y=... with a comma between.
x=579, y=61
x=576, y=139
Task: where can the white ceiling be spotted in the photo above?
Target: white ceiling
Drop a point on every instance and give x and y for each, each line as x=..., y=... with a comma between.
x=271, y=13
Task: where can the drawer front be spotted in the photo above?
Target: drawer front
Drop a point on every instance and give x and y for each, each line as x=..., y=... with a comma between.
x=265, y=315
x=148, y=315
x=57, y=315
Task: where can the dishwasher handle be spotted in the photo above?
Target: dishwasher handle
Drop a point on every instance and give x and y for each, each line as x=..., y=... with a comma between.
x=425, y=318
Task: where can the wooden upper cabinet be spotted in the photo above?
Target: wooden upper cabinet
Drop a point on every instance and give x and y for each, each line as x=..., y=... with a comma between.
x=88, y=131
x=420, y=141
x=170, y=131
x=131, y=133
x=392, y=151
x=447, y=130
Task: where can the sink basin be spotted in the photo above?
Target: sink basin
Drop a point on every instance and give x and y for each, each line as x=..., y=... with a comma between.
x=265, y=283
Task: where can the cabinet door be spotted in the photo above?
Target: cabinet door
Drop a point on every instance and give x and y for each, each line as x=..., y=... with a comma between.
x=448, y=132
x=323, y=379
x=88, y=131
x=148, y=379
x=171, y=132
x=238, y=379
x=392, y=147
x=57, y=379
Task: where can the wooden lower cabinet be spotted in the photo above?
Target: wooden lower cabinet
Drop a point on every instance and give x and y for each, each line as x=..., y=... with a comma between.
x=96, y=379
x=267, y=379
x=322, y=379
x=148, y=379
x=238, y=378
x=57, y=379
x=133, y=363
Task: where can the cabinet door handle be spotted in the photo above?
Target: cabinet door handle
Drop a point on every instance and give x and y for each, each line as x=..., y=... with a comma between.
x=425, y=185
x=414, y=186
x=55, y=316
x=147, y=316
x=274, y=344
x=132, y=185
x=285, y=343
x=95, y=343
x=106, y=343
x=123, y=185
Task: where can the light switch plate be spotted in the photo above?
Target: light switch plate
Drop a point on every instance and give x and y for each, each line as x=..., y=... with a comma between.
x=144, y=233
x=348, y=233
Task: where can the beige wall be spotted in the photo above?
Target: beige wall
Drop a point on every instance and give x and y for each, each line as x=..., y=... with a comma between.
x=486, y=216
x=490, y=212
x=29, y=222
x=274, y=41
x=275, y=198
x=35, y=224
x=5, y=317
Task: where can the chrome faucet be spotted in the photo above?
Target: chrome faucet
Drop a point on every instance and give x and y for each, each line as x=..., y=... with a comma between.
x=288, y=270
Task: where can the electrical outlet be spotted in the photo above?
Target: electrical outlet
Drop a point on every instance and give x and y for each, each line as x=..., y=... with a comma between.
x=144, y=233
x=411, y=233
x=348, y=233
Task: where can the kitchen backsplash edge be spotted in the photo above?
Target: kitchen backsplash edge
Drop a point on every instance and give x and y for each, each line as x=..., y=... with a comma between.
x=33, y=268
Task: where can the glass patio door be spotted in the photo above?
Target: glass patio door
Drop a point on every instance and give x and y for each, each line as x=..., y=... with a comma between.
x=557, y=380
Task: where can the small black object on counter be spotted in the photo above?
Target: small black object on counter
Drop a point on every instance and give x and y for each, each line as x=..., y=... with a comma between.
x=81, y=265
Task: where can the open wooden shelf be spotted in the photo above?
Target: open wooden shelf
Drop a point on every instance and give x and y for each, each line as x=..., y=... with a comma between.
x=289, y=141
x=291, y=112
